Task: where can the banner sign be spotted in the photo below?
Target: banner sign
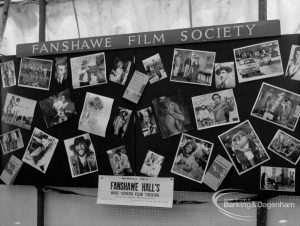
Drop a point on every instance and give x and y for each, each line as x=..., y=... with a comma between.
x=135, y=191
x=155, y=38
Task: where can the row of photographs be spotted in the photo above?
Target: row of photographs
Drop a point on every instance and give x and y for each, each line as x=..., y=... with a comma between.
x=259, y=61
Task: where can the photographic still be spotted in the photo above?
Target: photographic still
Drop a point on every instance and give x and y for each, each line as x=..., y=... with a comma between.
x=61, y=71
x=224, y=75
x=8, y=74
x=119, y=162
x=152, y=164
x=154, y=68
x=120, y=71
x=147, y=121
x=293, y=67
x=11, y=141
x=121, y=122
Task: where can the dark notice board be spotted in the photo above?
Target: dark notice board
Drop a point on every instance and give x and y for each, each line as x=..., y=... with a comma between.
x=58, y=173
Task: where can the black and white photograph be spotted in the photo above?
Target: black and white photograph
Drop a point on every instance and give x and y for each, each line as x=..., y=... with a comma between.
x=40, y=150
x=277, y=178
x=95, y=114
x=278, y=106
x=61, y=71
x=193, y=66
x=215, y=109
x=172, y=114
x=81, y=155
x=243, y=147
x=147, y=121
x=119, y=161
x=121, y=122
x=58, y=108
x=18, y=111
x=11, y=141
x=259, y=61
x=286, y=147
x=293, y=67
x=35, y=73
x=224, y=75
x=89, y=70
x=154, y=68
x=120, y=71
x=11, y=170
x=8, y=74
x=192, y=157
x=152, y=164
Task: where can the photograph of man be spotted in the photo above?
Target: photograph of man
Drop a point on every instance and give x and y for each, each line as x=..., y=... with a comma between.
x=147, y=121
x=8, y=74
x=293, y=68
x=224, y=75
x=119, y=161
x=11, y=141
x=154, y=68
x=61, y=71
x=121, y=122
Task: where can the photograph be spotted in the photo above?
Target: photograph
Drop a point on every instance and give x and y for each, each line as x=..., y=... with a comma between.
x=58, y=108
x=259, y=61
x=215, y=109
x=61, y=71
x=152, y=164
x=18, y=111
x=40, y=150
x=243, y=147
x=120, y=71
x=89, y=70
x=224, y=75
x=119, y=162
x=192, y=157
x=121, y=122
x=147, y=121
x=11, y=170
x=293, y=67
x=277, y=178
x=278, y=106
x=8, y=74
x=35, y=73
x=11, y=141
x=154, y=68
x=286, y=146
x=172, y=114
x=81, y=155
x=192, y=66
x=95, y=114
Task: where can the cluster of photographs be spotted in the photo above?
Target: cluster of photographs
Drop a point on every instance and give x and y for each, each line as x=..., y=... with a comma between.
x=166, y=115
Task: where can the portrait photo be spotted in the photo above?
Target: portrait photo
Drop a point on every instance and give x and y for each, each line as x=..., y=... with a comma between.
x=58, y=108
x=192, y=66
x=243, y=147
x=192, y=157
x=95, y=114
x=278, y=106
x=147, y=121
x=18, y=111
x=286, y=146
x=224, y=75
x=119, y=161
x=89, y=70
x=8, y=74
x=120, y=71
x=259, y=61
x=61, y=71
x=40, y=150
x=154, y=68
x=121, y=122
x=11, y=141
x=215, y=109
x=293, y=67
x=81, y=155
x=35, y=73
x=152, y=164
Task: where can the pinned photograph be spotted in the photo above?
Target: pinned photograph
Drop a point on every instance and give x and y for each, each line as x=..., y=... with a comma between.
x=35, y=73
x=11, y=170
x=11, y=141
x=259, y=61
x=119, y=161
x=121, y=122
x=8, y=74
x=243, y=147
x=154, y=68
x=286, y=147
x=293, y=67
x=277, y=179
x=215, y=109
x=40, y=150
x=81, y=155
x=18, y=111
x=224, y=75
x=192, y=157
x=95, y=114
x=58, y=108
x=147, y=121
x=172, y=114
x=192, y=66
x=61, y=71
x=89, y=70
x=278, y=106
x=120, y=71
x=152, y=164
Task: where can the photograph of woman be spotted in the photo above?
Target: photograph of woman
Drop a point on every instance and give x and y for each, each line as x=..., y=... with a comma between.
x=120, y=71
x=121, y=121
x=8, y=74
x=152, y=164
x=293, y=68
x=119, y=161
x=147, y=121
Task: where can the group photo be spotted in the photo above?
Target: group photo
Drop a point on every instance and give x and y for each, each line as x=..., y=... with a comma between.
x=154, y=68
x=119, y=161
